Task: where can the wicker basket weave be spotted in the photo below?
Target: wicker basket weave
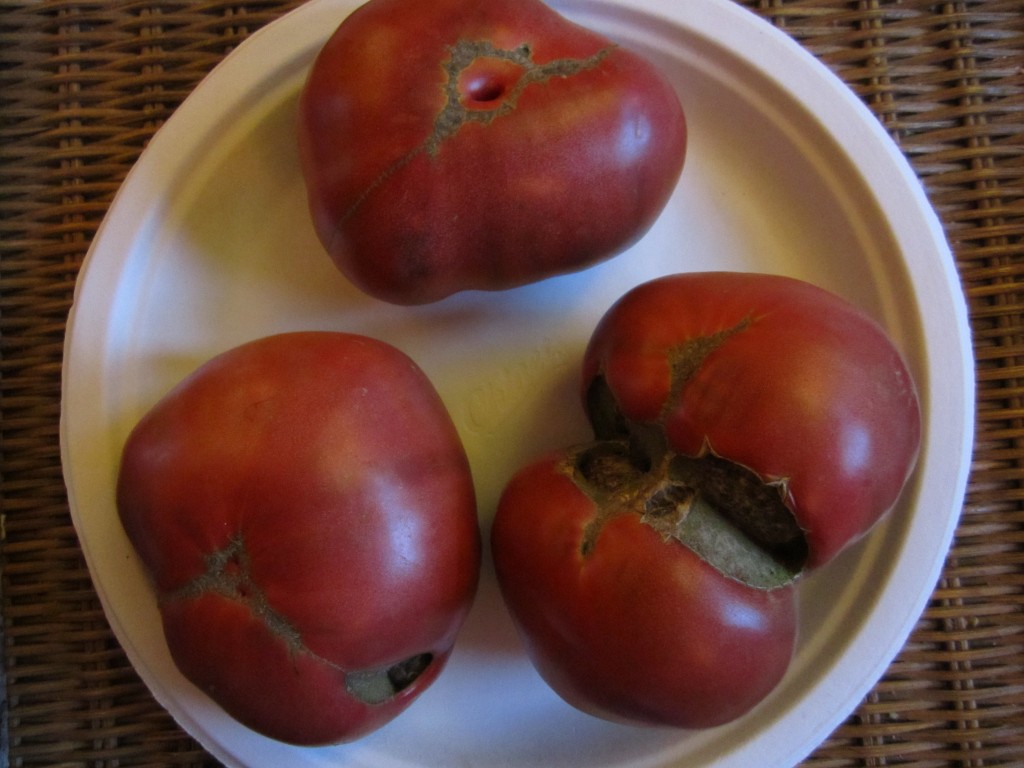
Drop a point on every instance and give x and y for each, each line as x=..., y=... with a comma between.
x=85, y=83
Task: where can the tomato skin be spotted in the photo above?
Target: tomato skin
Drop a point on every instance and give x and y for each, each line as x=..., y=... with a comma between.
x=812, y=391
x=747, y=428
x=333, y=547
x=418, y=192
x=639, y=629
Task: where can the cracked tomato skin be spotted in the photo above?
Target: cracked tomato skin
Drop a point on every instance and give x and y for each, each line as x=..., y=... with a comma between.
x=747, y=428
x=639, y=629
x=460, y=144
x=305, y=508
x=804, y=388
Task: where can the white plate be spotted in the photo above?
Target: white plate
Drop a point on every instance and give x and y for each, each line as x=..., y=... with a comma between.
x=208, y=244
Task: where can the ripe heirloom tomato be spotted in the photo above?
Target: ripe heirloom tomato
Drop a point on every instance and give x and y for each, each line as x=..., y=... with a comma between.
x=618, y=617
x=481, y=144
x=747, y=428
x=305, y=508
x=770, y=373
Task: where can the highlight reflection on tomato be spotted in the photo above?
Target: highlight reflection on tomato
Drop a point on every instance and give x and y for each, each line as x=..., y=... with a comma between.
x=747, y=429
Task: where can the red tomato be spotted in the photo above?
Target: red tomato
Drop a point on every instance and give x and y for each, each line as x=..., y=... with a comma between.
x=459, y=144
x=748, y=427
x=771, y=373
x=305, y=508
x=622, y=621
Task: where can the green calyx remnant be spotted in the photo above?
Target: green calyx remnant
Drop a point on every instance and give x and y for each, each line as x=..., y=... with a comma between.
x=722, y=511
x=228, y=575
x=454, y=114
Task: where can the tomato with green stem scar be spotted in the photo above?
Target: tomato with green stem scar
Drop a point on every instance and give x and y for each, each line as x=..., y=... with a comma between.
x=747, y=429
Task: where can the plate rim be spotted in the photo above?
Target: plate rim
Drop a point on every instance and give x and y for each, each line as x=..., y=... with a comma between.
x=702, y=10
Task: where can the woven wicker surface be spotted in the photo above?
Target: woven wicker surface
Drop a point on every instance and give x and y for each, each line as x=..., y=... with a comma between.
x=83, y=86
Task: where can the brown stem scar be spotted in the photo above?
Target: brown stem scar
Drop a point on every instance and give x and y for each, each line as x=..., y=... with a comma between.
x=454, y=115
x=228, y=575
x=686, y=359
x=609, y=474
